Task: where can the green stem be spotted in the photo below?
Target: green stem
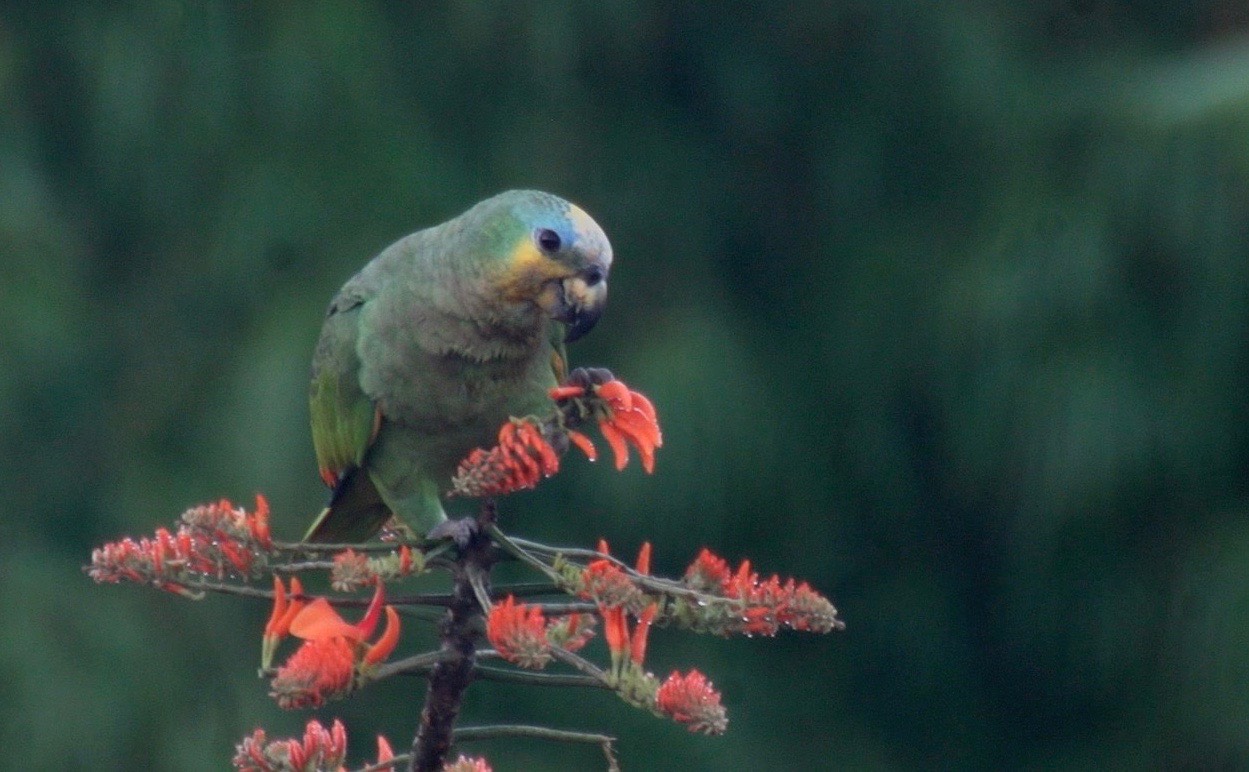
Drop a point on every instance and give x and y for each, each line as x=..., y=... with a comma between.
x=510, y=547
x=536, y=679
x=419, y=664
x=493, y=731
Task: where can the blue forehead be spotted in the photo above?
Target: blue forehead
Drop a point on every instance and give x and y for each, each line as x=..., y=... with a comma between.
x=550, y=214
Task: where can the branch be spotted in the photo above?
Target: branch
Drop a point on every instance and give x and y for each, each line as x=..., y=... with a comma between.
x=452, y=674
x=470, y=733
x=495, y=731
x=536, y=679
x=419, y=664
x=511, y=548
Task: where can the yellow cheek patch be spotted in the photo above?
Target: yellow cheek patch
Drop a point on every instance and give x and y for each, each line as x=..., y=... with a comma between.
x=528, y=270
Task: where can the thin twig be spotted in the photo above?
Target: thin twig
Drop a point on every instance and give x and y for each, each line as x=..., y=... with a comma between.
x=391, y=765
x=420, y=663
x=606, y=742
x=313, y=548
x=536, y=679
x=493, y=731
x=478, y=582
x=526, y=589
x=584, y=665
x=511, y=548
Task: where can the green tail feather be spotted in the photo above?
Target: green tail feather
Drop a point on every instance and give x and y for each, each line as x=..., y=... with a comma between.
x=355, y=513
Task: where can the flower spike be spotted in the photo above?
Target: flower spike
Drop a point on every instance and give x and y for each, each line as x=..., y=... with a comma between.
x=691, y=700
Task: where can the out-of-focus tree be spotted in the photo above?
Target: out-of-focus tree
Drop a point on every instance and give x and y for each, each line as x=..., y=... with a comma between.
x=947, y=306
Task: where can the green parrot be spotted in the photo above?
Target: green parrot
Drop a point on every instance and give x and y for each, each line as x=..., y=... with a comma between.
x=436, y=342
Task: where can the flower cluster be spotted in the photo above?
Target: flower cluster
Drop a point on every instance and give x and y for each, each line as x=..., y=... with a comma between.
x=211, y=541
x=529, y=450
x=319, y=749
x=625, y=417
x=523, y=636
x=335, y=657
x=604, y=582
x=762, y=607
x=465, y=764
x=520, y=460
x=629, y=419
x=354, y=570
x=690, y=699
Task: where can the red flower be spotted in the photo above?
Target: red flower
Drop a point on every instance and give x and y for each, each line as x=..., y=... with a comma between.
x=520, y=460
x=629, y=419
x=319, y=670
x=334, y=652
x=708, y=572
x=604, y=582
x=518, y=632
x=280, y=619
x=691, y=700
x=571, y=631
x=616, y=632
x=351, y=571
x=320, y=748
x=212, y=541
x=465, y=764
x=767, y=605
x=637, y=644
x=384, y=753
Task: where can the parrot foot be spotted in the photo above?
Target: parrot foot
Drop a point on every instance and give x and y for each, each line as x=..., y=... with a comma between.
x=590, y=376
x=461, y=531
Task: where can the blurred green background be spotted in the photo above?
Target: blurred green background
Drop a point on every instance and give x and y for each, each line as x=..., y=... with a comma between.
x=944, y=307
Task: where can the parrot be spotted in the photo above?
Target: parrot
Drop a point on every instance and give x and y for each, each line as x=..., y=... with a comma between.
x=436, y=343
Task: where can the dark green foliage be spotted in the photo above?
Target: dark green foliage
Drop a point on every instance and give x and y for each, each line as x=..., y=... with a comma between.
x=944, y=308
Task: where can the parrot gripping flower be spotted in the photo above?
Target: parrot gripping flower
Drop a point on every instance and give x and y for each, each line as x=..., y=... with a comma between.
x=526, y=449
x=436, y=343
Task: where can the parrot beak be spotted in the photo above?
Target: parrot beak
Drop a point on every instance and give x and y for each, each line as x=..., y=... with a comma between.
x=581, y=301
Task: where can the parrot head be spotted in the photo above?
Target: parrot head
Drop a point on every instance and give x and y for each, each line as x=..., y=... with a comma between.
x=559, y=258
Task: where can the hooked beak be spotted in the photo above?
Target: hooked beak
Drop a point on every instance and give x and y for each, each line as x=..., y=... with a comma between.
x=580, y=302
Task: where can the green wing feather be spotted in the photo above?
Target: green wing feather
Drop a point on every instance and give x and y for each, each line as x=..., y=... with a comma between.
x=345, y=423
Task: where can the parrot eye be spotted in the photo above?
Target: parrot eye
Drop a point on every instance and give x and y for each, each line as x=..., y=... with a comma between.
x=548, y=240
x=593, y=275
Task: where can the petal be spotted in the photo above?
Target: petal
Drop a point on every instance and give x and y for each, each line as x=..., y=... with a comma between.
x=319, y=620
x=617, y=442
x=583, y=442
x=385, y=645
x=561, y=393
x=368, y=623
x=644, y=406
x=616, y=394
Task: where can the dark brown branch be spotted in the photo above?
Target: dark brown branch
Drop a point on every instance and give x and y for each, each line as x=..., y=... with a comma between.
x=451, y=676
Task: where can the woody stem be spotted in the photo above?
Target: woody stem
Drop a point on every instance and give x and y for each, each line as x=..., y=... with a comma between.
x=451, y=675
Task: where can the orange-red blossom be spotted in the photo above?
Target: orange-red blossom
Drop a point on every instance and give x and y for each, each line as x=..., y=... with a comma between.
x=604, y=582
x=525, y=454
x=521, y=634
x=211, y=541
x=627, y=418
x=333, y=652
x=691, y=699
x=768, y=604
x=319, y=748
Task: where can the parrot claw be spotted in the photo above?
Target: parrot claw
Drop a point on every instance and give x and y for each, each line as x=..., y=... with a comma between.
x=586, y=377
x=460, y=531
